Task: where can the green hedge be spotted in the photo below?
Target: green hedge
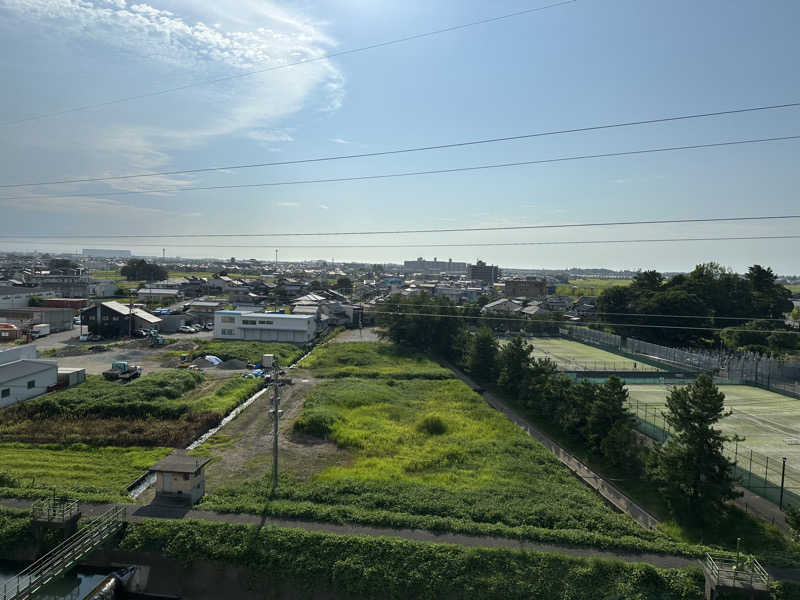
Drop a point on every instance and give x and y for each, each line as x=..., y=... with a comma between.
x=387, y=568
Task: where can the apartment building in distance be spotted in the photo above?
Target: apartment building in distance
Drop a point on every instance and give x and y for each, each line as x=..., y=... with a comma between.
x=530, y=287
x=480, y=271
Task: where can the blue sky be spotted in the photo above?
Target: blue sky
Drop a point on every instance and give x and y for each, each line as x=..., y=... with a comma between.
x=589, y=62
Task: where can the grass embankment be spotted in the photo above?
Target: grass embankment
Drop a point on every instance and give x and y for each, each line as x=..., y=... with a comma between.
x=588, y=287
x=169, y=408
x=372, y=360
x=387, y=568
x=432, y=455
x=250, y=352
x=92, y=474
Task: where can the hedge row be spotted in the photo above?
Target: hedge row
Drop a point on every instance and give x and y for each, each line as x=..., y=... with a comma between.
x=386, y=568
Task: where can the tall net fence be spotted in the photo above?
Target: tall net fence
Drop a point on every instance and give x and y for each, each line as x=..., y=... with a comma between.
x=748, y=368
x=776, y=480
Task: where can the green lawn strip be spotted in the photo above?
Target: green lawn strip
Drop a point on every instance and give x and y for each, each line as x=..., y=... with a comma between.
x=432, y=454
x=92, y=474
x=372, y=360
x=388, y=568
x=251, y=352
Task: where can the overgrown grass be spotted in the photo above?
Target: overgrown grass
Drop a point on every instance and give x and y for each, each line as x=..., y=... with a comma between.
x=471, y=471
x=170, y=408
x=372, y=360
x=15, y=530
x=249, y=351
x=389, y=568
x=87, y=473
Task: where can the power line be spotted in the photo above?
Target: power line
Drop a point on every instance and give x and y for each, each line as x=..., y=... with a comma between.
x=408, y=150
x=475, y=244
x=413, y=173
x=684, y=327
x=287, y=65
x=392, y=232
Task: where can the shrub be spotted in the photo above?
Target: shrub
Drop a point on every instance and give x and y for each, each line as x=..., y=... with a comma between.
x=433, y=425
x=317, y=422
x=7, y=480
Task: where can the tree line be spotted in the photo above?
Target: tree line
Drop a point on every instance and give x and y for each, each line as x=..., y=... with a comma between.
x=708, y=297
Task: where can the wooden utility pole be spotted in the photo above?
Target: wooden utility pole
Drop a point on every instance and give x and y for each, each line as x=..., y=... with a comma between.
x=276, y=403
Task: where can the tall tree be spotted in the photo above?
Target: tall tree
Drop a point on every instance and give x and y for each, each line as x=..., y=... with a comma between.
x=139, y=269
x=609, y=424
x=513, y=362
x=482, y=355
x=695, y=476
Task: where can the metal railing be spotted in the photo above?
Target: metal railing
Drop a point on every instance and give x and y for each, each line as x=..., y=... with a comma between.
x=61, y=558
x=726, y=570
x=55, y=509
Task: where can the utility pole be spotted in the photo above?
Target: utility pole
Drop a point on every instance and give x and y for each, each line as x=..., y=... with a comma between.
x=276, y=412
x=130, y=313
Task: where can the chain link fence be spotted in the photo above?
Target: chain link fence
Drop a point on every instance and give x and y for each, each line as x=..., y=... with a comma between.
x=773, y=479
x=749, y=368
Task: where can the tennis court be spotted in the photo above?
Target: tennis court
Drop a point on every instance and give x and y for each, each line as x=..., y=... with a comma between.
x=769, y=422
x=575, y=356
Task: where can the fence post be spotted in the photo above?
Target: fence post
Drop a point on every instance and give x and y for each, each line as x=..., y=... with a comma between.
x=766, y=473
x=736, y=453
x=783, y=478
x=750, y=470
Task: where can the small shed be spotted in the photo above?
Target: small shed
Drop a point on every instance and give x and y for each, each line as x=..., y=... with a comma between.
x=70, y=376
x=180, y=478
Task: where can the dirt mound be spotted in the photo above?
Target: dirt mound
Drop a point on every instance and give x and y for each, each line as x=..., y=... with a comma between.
x=202, y=363
x=233, y=364
x=171, y=363
x=182, y=345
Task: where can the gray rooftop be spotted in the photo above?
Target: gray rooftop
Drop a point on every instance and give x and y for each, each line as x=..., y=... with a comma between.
x=179, y=462
x=24, y=368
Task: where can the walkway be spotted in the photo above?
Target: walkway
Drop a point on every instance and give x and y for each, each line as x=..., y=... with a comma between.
x=592, y=479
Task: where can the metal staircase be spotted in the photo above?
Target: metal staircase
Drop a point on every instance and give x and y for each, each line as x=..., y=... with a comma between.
x=64, y=556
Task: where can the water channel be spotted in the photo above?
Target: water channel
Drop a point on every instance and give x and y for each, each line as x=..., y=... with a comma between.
x=74, y=585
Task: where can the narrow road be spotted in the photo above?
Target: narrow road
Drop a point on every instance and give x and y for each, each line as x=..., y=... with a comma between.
x=592, y=479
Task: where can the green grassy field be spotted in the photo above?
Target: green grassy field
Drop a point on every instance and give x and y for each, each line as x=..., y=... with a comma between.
x=575, y=356
x=169, y=408
x=430, y=454
x=768, y=422
x=588, y=287
x=83, y=472
x=372, y=359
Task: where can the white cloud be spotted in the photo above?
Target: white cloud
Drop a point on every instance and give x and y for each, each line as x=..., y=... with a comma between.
x=288, y=204
x=324, y=206
x=340, y=141
x=246, y=36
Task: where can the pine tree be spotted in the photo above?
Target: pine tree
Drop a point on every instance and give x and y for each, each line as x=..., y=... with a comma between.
x=696, y=477
x=482, y=359
x=609, y=424
x=513, y=362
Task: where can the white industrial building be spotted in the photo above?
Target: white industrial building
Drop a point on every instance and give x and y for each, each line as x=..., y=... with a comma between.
x=16, y=297
x=264, y=327
x=26, y=378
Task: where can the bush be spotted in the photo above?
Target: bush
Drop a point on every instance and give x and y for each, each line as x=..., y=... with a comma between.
x=391, y=568
x=432, y=424
x=8, y=481
x=317, y=422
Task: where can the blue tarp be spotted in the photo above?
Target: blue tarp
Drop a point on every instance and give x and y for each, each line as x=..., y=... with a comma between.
x=214, y=360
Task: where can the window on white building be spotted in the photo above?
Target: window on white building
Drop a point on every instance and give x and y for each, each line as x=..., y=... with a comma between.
x=5, y=393
x=31, y=384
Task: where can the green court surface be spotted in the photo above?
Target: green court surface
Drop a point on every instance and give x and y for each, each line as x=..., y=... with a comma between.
x=769, y=422
x=575, y=356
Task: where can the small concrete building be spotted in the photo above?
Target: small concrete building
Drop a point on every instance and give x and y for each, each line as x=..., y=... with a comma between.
x=59, y=319
x=8, y=332
x=180, y=478
x=24, y=379
x=159, y=295
x=70, y=376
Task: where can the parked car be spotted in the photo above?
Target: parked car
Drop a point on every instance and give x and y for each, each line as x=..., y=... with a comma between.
x=209, y=327
x=95, y=338
x=140, y=333
x=185, y=329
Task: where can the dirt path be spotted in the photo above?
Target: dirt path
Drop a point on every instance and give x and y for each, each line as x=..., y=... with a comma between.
x=592, y=479
x=243, y=449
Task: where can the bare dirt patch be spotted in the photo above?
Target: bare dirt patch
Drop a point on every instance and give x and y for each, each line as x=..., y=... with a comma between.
x=243, y=449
